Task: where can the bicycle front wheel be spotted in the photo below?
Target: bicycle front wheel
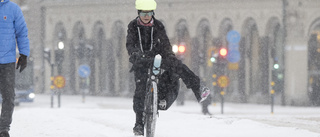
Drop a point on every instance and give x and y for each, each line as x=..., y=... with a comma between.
x=151, y=109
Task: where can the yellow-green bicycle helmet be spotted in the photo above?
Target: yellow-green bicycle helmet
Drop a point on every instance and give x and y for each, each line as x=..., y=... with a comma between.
x=146, y=5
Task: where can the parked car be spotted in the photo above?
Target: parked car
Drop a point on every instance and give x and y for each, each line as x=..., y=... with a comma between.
x=24, y=96
x=24, y=85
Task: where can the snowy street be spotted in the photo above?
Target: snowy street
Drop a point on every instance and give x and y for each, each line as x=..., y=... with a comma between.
x=114, y=117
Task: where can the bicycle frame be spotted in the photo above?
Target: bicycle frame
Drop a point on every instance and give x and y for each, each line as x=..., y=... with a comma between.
x=151, y=99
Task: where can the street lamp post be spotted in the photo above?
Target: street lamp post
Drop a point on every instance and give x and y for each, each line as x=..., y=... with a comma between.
x=284, y=22
x=58, y=59
x=84, y=52
x=59, y=56
x=48, y=57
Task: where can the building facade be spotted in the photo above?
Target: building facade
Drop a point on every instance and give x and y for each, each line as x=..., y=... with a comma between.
x=279, y=45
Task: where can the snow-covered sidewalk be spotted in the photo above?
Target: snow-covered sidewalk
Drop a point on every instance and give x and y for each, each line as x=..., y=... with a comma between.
x=114, y=117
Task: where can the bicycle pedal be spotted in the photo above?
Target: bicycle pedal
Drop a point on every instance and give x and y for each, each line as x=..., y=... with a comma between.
x=162, y=104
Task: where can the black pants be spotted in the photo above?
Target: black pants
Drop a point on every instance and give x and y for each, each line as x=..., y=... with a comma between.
x=7, y=83
x=174, y=67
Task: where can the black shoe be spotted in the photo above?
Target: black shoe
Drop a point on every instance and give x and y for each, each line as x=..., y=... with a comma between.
x=4, y=134
x=138, y=130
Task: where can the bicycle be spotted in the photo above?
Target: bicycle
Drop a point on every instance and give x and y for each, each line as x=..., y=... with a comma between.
x=151, y=98
x=159, y=84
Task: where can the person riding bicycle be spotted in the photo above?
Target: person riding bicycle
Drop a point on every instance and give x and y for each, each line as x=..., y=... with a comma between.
x=146, y=37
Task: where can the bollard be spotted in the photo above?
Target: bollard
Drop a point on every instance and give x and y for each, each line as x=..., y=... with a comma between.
x=272, y=100
x=272, y=96
x=52, y=90
x=222, y=100
x=59, y=98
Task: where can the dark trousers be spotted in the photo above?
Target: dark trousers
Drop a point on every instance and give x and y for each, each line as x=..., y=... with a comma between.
x=173, y=66
x=7, y=83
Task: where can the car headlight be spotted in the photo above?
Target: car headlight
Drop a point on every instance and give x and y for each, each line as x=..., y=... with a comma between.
x=32, y=95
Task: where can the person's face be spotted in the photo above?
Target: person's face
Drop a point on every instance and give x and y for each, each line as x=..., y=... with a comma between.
x=146, y=16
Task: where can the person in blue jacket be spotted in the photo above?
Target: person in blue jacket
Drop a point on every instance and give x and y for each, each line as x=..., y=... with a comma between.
x=13, y=33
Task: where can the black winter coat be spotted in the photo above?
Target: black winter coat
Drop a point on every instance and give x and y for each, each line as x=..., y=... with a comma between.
x=160, y=41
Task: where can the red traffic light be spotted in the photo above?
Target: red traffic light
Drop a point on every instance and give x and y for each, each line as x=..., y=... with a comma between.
x=223, y=52
x=181, y=48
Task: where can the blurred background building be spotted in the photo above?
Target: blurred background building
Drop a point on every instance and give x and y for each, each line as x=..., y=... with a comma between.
x=278, y=50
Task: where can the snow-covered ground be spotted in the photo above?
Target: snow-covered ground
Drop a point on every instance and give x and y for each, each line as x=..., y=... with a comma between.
x=114, y=117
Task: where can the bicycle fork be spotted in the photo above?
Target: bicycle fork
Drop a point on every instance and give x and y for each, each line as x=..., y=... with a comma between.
x=152, y=97
x=154, y=82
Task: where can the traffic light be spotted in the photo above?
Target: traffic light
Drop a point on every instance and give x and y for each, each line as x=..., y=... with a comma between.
x=59, y=53
x=213, y=56
x=222, y=62
x=276, y=66
x=47, y=55
x=59, y=56
x=175, y=48
x=213, y=59
x=223, y=52
x=222, y=56
x=181, y=49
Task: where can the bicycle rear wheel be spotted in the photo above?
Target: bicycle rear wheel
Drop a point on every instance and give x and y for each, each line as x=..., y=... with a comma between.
x=151, y=109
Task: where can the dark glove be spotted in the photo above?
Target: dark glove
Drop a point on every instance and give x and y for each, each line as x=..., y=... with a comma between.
x=22, y=62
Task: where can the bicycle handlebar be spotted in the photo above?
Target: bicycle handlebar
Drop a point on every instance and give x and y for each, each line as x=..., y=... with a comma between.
x=145, y=60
